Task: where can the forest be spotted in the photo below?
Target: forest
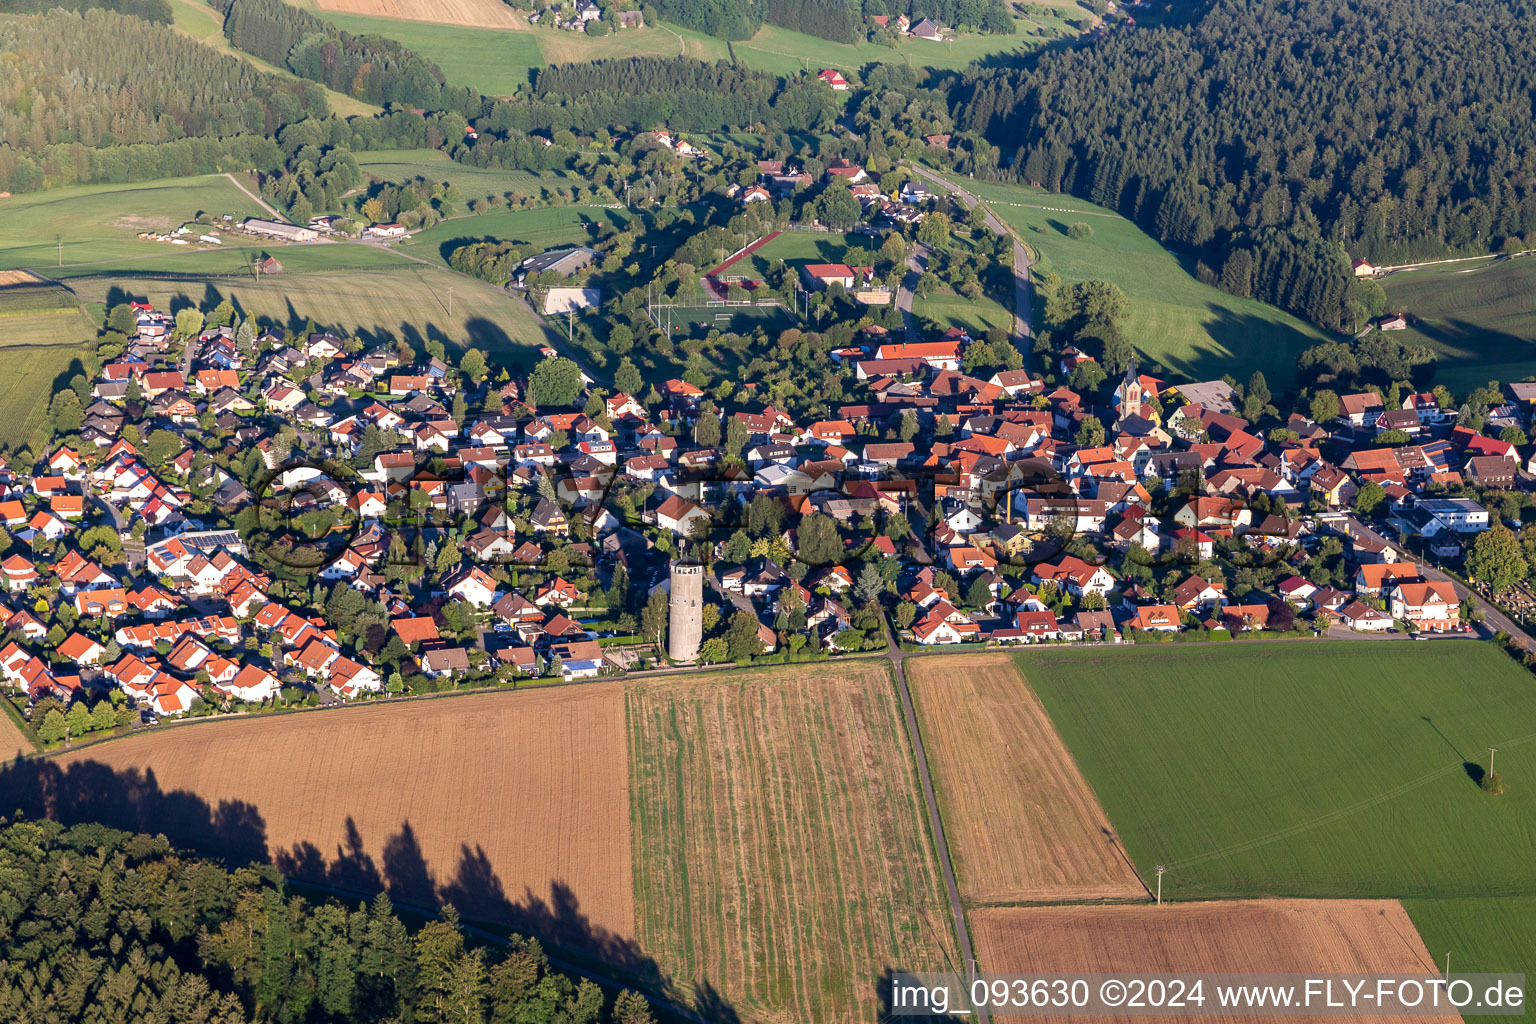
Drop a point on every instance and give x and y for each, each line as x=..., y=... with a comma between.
x=1276, y=141
x=102, y=96
x=99, y=925
x=370, y=68
x=149, y=10
x=646, y=92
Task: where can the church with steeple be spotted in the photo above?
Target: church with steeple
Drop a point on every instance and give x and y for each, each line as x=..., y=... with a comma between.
x=1132, y=396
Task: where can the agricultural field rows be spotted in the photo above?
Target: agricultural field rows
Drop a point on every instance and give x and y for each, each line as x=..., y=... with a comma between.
x=1021, y=822
x=781, y=853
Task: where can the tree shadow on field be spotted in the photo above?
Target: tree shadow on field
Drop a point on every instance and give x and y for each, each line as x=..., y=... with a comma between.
x=89, y=791
x=234, y=832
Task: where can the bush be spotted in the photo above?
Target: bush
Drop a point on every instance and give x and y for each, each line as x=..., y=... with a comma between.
x=1079, y=231
x=1493, y=784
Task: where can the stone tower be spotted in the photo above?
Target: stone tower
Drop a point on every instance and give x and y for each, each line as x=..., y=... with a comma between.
x=685, y=610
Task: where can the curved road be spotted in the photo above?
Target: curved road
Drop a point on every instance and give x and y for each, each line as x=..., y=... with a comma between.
x=1023, y=293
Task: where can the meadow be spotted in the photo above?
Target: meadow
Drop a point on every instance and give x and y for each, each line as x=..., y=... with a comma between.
x=783, y=51
x=1327, y=770
x=498, y=60
x=44, y=340
x=799, y=247
x=1191, y=329
x=1481, y=322
x=398, y=165
x=534, y=230
x=781, y=854
x=67, y=228
x=407, y=302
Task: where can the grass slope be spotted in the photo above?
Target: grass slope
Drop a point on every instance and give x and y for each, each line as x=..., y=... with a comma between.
x=496, y=61
x=1192, y=329
x=1482, y=322
x=44, y=336
x=1307, y=770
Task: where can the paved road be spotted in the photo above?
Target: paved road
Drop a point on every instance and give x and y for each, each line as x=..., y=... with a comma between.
x=1022, y=290
x=917, y=263
x=935, y=823
x=1492, y=617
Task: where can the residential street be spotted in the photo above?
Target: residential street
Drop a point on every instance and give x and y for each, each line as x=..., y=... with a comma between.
x=917, y=263
x=1023, y=292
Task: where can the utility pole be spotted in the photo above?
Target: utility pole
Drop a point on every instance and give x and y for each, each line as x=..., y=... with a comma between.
x=1447, y=965
x=60, y=240
x=450, y=302
x=1160, y=870
x=1491, y=752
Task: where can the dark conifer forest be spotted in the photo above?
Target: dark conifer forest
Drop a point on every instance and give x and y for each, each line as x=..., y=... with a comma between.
x=98, y=926
x=1274, y=139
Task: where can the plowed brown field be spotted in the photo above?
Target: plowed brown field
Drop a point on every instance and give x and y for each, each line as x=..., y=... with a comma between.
x=475, y=13
x=513, y=806
x=1021, y=821
x=1228, y=936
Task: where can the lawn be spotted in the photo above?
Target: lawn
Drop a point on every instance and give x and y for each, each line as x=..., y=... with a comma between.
x=1192, y=330
x=783, y=51
x=535, y=230
x=780, y=849
x=948, y=309
x=1482, y=322
x=409, y=302
x=1325, y=769
x=800, y=247
x=97, y=223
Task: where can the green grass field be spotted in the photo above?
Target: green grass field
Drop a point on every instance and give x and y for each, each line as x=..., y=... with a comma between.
x=99, y=223
x=535, y=230
x=1331, y=770
x=1481, y=322
x=44, y=340
x=496, y=61
x=798, y=247
x=408, y=301
x=948, y=309
x=399, y=165
x=493, y=61
x=784, y=51
x=1191, y=329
